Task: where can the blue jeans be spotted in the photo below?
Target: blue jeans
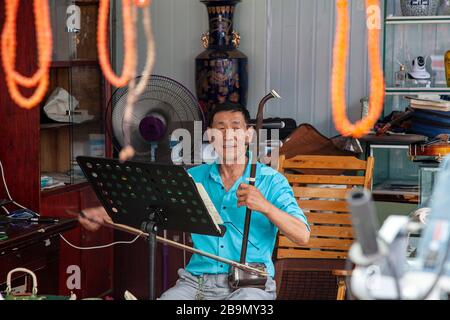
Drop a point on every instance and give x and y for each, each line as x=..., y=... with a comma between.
x=214, y=287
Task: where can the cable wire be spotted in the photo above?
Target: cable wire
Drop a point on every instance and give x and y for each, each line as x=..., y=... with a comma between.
x=7, y=191
x=103, y=246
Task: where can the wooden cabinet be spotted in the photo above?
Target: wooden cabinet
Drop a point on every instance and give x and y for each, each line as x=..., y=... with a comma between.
x=96, y=266
x=19, y=129
x=37, y=248
x=31, y=146
x=40, y=258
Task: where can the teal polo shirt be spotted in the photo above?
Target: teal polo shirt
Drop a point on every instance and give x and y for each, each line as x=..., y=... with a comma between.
x=274, y=187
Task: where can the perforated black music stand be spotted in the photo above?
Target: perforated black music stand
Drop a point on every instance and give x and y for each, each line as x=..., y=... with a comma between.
x=150, y=197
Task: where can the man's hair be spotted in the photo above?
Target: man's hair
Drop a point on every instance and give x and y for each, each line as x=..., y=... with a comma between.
x=228, y=106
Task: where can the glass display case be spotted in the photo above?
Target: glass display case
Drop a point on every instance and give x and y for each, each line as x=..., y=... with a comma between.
x=72, y=115
x=395, y=176
x=406, y=39
x=427, y=178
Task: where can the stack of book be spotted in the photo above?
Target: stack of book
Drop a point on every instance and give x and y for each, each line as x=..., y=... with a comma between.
x=429, y=103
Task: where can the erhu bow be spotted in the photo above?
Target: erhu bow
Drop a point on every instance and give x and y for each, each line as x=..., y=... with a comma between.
x=137, y=232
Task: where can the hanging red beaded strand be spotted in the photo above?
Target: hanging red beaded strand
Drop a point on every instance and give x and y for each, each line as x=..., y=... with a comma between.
x=340, y=58
x=44, y=45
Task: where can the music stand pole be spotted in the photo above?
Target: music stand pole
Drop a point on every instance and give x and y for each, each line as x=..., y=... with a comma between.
x=151, y=228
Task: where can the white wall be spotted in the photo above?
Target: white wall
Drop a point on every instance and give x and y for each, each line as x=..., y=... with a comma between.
x=301, y=59
x=289, y=45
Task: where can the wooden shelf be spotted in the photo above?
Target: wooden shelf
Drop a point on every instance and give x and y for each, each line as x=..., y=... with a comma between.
x=86, y=2
x=47, y=126
x=396, y=91
x=418, y=20
x=396, y=139
x=396, y=191
x=64, y=189
x=74, y=63
x=397, y=198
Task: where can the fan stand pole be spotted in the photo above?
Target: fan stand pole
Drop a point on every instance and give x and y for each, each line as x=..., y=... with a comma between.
x=151, y=228
x=153, y=147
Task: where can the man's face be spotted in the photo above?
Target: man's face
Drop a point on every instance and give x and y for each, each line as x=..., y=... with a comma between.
x=229, y=135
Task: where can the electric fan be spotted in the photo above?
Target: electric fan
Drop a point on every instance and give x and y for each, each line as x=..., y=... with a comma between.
x=163, y=107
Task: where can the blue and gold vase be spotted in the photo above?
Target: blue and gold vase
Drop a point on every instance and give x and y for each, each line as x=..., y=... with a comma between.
x=221, y=71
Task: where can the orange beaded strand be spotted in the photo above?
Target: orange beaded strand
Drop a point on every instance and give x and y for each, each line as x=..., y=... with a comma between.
x=44, y=46
x=129, y=65
x=338, y=87
x=142, y=3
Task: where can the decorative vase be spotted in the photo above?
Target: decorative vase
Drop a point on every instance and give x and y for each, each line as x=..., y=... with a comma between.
x=419, y=7
x=221, y=71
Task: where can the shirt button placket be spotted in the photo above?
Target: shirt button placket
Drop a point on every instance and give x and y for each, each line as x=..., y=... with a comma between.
x=221, y=245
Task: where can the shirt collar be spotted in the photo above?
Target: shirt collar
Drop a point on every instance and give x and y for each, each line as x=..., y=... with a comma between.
x=214, y=172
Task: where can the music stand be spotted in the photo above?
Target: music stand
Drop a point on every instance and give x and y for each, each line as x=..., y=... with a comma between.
x=150, y=197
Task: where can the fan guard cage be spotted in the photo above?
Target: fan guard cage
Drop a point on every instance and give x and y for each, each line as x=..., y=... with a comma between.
x=162, y=95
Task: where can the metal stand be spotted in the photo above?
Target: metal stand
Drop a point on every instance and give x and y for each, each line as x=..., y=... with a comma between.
x=151, y=228
x=149, y=197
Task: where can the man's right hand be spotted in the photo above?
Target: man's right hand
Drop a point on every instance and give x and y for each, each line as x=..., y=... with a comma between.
x=96, y=214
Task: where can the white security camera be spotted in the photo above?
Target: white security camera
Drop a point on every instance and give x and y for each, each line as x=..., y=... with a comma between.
x=419, y=70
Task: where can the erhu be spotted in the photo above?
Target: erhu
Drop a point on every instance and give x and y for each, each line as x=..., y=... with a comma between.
x=239, y=277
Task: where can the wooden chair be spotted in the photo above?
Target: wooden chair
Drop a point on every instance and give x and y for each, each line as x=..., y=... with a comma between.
x=320, y=184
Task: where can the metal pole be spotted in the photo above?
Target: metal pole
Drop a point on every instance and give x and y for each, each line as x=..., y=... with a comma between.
x=151, y=240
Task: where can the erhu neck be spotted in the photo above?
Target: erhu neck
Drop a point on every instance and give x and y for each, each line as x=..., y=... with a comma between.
x=260, y=115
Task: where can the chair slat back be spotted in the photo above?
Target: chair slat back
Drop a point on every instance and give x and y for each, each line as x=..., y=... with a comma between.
x=322, y=199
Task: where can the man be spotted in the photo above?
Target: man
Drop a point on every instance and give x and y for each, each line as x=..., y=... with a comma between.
x=271, y=200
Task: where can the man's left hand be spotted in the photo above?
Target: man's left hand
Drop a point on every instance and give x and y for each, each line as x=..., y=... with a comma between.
x=250, y=197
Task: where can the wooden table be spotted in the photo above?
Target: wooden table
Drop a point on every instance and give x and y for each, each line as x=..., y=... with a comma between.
x=34, y=246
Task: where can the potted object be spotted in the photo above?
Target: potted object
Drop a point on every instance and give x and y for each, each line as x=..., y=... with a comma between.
x=419, y=7
x=444, y=10
x=221, y=71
